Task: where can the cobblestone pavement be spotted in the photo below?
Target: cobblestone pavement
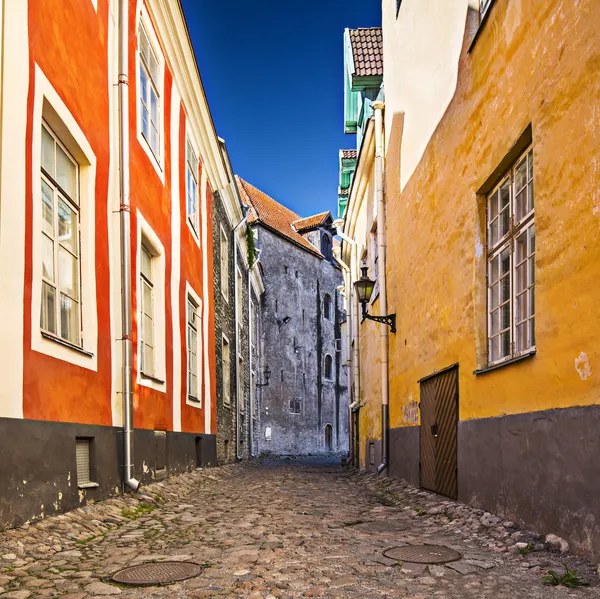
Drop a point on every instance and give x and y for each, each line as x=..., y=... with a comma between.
x=280, y=530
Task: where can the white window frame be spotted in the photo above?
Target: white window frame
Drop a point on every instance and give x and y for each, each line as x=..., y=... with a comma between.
x=224, y=262
x=192, y=171
x=506, y=228
x=49, y=107
x=145, y=235
x=193, y=297
x=156, y=158
x=327, y=378
x=226, y=371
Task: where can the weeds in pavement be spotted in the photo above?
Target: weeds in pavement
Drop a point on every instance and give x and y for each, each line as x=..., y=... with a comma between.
x=569, y=578
x=526, y=550
x=421, y=512
x=141, y=509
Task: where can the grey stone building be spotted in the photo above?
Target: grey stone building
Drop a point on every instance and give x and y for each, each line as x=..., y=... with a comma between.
x=237, y=279
x=301, y=387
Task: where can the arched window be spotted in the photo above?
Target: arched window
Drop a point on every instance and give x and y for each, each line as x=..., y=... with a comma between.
x=328, y=437
x=328, y=367
x=327, y=306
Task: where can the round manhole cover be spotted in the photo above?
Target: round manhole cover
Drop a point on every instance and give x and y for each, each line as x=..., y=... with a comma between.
x=423, y=554
x=157, y=573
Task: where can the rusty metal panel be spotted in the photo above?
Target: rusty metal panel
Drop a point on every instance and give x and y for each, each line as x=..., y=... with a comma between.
x=428, y=440
x=439, y=417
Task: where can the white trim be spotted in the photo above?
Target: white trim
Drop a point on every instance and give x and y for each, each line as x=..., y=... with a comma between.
x=153, y=243
x=143, y=17
x=190, y=292
x=14, y=108
x=207, y=290
x=175, y=258
x=49, y=105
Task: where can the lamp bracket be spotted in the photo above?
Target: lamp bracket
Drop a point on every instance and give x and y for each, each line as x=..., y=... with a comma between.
x=389, y=319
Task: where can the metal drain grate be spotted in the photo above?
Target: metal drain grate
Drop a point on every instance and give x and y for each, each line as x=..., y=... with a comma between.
x=423, y=554
x=157, y=573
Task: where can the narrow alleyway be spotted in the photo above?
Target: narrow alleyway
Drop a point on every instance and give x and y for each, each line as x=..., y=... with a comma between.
x=274, y=529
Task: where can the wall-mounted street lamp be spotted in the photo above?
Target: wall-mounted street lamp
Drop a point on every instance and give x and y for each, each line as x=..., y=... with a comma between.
x=266, y=376
x=364, y=289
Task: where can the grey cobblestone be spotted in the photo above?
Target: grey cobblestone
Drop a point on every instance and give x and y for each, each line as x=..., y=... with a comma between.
x=278, y=531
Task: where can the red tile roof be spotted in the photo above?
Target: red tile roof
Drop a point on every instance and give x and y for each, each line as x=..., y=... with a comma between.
x=344, y=192
x=273, y=215
x=367, y=51
x=348, y=154
x=311, y=221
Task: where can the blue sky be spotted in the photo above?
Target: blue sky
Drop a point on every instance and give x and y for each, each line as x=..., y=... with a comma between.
x=273, y=74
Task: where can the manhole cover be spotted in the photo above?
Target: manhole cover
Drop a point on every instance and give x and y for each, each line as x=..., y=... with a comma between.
x=423, y=554
x=383, y=526
x=157, y=573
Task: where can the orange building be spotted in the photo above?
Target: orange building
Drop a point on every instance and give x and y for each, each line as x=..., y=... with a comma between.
x=109, y=159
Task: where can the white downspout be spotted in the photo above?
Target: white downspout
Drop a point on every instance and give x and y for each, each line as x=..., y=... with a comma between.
x=125, y=222
x=251, y=415
x=381, y=246
x=237, y=339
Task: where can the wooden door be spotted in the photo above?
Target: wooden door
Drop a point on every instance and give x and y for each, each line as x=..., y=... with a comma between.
x=439, y=418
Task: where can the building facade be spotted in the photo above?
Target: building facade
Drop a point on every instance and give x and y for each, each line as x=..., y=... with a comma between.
x=491, y=224
x=106, y=254
x=301, y=384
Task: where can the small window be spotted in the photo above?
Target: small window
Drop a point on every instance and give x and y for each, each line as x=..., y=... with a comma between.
x=149, y=92
x=226, y=364
x=511, y=263
x=146, y=313
x=372, y=454
x=192, y=187
x=328, y=367
x=224, y=264
x=295, y=406
x=194, y=363
x=61, y=307
x=83, y=459
x=327, y=306
x=286, y=269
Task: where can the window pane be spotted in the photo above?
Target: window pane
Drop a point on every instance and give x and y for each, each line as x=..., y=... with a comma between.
x=495, y=296
x=67, y=226
x=522, y=307
x=521, y=277
x=494, y=269
x=48, y=312
x=47, y=209
x=47, y=258
x=193, y=385
x=494, y=232
x=521, y=175
x=495, y=323
x=505, y=287
x=69, y=319
x=153, y=107
x=47, y=152
x=505, y=261
x=148, y=359
x=68, y=273
x=66, y=173
x=532, y=301
x=505, y=312
x=493, y=206
x=532, y=331
x=494, y=349
x=521, y=247
x=522, y=336
x=148, y=330
x=532, y=239
x=146, y=264
x=521, y=207
x=147, y=291
x=505, y=344
x=154, y=140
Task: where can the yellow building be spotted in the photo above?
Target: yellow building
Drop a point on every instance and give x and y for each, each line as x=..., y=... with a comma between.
x=490, y=258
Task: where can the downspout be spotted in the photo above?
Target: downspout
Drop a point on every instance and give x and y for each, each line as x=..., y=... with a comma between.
x=237, y=339
x=381, y=246
x=251, y=415
x=353, y=329
x=125, y=222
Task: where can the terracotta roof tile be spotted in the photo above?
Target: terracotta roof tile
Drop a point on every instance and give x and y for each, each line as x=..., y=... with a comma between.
x=348, y=154
x=265, y=210
x=344, y=192
x=367, y=51
x=311, y=221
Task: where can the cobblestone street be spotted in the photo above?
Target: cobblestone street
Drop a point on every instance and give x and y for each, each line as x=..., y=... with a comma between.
x=280, y=529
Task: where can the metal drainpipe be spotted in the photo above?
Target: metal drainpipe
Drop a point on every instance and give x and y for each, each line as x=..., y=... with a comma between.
x=237, y=340
x=250, y=416
x=381, y=245
x=353, y=330
x=125, y=221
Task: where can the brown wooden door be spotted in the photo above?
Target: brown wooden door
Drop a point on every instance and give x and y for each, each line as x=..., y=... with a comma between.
x=439, y=418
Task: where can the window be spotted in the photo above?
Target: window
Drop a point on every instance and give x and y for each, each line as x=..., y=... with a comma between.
x=326, y=246
x=226, y=372
x=148, y=92
x=327, y=306
x=83, y=461
x=241, y=383
x=60, y=311
x=511, y=263
x=192, y=187
x=328, y=367
x=194, y=362
x=295, y=406
x=146, y=313
x=224, y=264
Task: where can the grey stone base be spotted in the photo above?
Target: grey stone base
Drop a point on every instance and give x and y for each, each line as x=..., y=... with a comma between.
x=404, y=454
x=372, y=458
x=38, y=471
